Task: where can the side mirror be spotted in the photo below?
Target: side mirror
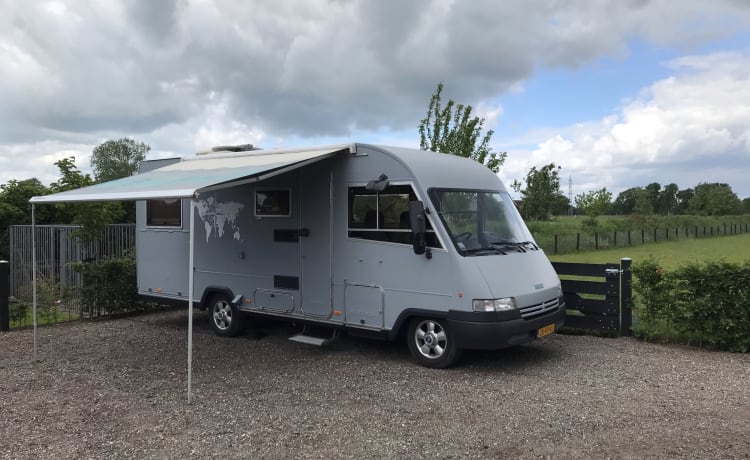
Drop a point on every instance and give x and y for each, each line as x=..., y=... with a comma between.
x=418, y=226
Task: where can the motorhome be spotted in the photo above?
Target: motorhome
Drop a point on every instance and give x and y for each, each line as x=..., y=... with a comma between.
x=385, y=242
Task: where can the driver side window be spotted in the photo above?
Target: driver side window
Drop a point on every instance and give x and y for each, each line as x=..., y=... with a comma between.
x=384, y=216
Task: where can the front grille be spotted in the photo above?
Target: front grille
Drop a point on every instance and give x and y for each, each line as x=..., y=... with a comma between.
x=539, y=309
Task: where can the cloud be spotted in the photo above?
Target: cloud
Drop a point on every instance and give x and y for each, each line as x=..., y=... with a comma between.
x=691, y=127
x=312, y=68
x=183, y=74
x=16, y=162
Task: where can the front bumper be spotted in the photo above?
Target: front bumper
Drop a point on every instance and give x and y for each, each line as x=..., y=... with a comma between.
x=494, y=330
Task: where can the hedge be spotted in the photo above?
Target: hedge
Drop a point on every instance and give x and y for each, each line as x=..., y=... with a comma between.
x=707, y=302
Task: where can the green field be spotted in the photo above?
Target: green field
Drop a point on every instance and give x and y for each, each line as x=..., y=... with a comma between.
x=670, y=254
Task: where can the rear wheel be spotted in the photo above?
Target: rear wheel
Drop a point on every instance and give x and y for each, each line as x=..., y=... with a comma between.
x=431, y=343
x=225, y=319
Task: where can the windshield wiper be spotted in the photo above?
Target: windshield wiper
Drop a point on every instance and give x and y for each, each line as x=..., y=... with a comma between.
x=520, y=245
x=476, y=251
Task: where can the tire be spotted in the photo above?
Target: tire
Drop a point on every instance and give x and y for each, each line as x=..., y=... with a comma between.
x=226, y=320
x=431, y=343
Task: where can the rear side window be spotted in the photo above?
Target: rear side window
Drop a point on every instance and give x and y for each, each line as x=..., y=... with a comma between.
x=383, y=216
x=164, y=213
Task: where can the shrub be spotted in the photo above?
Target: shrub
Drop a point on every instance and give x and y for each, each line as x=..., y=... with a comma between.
x=108, y=286
x=708, y=302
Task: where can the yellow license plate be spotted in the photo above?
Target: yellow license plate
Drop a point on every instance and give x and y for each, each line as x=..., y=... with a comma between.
x=546, y=330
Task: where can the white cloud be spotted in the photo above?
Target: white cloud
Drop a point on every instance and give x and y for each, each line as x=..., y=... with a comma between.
x=17, y=163
x=185, y=74
x=691, y=127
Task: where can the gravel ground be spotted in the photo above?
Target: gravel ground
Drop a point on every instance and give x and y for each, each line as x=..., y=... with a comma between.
x=117, y=389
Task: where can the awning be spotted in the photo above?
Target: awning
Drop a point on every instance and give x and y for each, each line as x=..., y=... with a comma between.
x=193, y=175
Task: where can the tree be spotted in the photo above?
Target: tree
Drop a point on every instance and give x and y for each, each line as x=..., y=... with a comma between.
x=15, y=208
x=93, y=217
x=654, y=191
x=643, y=204
x=715, y=199
x=746, y=206
x=683, y=200
x=668, y=200
x=452, y=129
x=594, y=203
x=625, y=201
x=542, y=193
x=116, y=159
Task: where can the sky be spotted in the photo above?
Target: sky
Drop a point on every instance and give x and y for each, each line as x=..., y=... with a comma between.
x=618, y=93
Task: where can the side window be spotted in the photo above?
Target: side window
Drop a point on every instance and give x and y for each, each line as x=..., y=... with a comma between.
x=384, y=216
x=164, y=213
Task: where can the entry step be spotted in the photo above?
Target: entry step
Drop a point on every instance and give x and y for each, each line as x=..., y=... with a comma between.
x=318, y=337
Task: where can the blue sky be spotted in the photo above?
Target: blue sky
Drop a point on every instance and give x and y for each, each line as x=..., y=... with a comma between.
x=619, y=94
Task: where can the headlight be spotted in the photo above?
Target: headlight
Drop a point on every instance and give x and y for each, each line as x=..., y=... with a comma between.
x=506, y=303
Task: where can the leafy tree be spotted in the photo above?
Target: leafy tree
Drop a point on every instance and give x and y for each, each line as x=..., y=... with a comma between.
x=542, y=193
x=683, y=200
x=625, y=201
x=715, y=199
x=93, y=217
x=654, y=191
x=15, y=208
x=643, y=204
x=746, y=206
x=115, y=159
x=452, y=129
x=594, y=203
x=668, y=200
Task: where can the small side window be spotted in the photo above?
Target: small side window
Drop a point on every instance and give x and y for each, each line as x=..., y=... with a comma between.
x=273, y=203
x=164, y=213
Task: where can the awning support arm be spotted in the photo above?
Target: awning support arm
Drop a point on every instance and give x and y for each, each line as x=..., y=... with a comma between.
x=33, y=269
x=191, y=276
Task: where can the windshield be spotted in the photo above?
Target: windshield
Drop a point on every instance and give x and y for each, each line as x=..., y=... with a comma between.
x=481, y=222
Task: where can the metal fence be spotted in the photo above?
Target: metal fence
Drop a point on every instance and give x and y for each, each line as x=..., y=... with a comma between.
x=56, y=247
x=574, y=242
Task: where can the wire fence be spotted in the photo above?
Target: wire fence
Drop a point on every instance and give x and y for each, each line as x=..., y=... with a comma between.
x=587, y=241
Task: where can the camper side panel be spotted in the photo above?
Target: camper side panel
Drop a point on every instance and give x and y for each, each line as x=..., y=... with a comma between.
x=376, y=274
x=244, y=241
x=162, y=242
x=162, y=254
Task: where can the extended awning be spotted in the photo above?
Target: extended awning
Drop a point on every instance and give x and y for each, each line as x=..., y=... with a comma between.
x=186, y=179
x=189, y=177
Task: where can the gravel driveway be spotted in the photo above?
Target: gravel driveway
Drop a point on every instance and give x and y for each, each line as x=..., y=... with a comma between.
x=117, y=389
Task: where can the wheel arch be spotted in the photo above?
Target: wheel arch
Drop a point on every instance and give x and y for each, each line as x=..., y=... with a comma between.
x=398, y=332
x=211, y=291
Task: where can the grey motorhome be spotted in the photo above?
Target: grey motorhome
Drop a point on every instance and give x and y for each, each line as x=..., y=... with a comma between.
x=372, y=240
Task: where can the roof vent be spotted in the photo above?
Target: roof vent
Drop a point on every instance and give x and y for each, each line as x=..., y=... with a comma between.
x=228, y=148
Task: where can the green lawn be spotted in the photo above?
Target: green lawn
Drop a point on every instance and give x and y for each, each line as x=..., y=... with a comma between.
x=670, y=254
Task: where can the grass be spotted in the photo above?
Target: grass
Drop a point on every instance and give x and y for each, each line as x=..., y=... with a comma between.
x=22, y=315
x=670, y=254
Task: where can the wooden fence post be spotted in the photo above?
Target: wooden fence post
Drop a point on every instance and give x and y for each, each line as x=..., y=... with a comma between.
x=4, y=295
x=555, y=243
x=626, y=293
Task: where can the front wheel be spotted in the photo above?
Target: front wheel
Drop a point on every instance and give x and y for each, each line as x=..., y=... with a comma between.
x=225, y=320
x=431, y=343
